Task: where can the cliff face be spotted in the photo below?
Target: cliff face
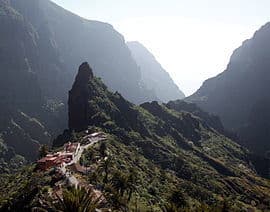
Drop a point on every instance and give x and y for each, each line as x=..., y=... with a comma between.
x=177, y=137
x=40, y=46
x=239, y=94
x=153, y=74
x=20, y=92
x=67, y=40
x=78, y=99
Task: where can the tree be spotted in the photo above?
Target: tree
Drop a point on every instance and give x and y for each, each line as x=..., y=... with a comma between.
x=102, y=149
x=90, y=155
x=118, y=202
x=176, y=200
x=105, y=167
x=170, y=208
x=43, y=151
x=79, y=200
x=131, y=183
x=119, y=182
x=124, y=183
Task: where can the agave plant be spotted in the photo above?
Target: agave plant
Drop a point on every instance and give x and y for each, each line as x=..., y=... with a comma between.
x=79, y=200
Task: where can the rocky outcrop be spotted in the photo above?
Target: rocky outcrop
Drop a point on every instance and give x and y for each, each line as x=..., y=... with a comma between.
x=78, y=99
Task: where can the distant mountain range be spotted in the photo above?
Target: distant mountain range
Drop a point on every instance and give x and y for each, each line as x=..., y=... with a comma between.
x=41, y=44
x=240, y=95
x=153, y=74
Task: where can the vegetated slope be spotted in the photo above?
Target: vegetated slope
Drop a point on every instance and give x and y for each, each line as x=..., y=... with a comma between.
x=10, y=161
x=153, y=74
x=206, y=166
x=240, y=94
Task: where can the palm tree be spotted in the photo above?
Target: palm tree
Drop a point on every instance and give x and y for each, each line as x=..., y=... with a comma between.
x=119, y=182
x=118, y=202
x=170, y=208
x=176, y=202
x=131, y=183
x=79, y=200
x=177, y=198
x=105, y=167
x=102, y=149
x=124, y=183
x=43, y=151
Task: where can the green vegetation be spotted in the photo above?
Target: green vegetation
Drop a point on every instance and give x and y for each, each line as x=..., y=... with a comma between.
x=171, y=147
x=43, y=151
x=9, y=161
x=20, y=191
x=154, y=188
x=78, y=200
x=155, y=158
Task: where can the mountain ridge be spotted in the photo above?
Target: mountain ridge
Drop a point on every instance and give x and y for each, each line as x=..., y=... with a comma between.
x=156, y=156
x=163, y=134
x=239, y=95
x=154, y=76
x=42, y=44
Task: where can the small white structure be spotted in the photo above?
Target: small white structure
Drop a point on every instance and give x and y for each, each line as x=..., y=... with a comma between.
x=97, y=134
x=190, y=143
x=72, y=148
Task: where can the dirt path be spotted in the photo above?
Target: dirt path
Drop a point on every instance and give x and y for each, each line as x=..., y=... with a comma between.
x=71, y=178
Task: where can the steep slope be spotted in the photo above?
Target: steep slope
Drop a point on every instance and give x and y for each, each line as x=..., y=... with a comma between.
x=71, y=39
x=205, y=163
x=240, y=95
x=40, y=46
x=153, y=75
x=9, y=160
x=21, y=97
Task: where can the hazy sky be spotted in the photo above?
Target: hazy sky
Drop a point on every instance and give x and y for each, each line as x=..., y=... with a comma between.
x=192, y=39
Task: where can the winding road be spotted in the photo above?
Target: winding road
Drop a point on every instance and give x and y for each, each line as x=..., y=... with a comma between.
x=71, y=178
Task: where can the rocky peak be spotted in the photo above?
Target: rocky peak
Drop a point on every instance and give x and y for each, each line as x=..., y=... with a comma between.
x=85, y=74
x=78, y=98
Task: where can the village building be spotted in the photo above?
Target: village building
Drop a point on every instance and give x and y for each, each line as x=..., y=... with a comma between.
x=97, y=134
x=49, y=161
x=58, y=159
x=72, y=148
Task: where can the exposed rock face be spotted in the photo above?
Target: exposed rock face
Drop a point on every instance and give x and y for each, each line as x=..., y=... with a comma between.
x=67, y=40
x=41, y=45
x=78, y=99
x=240, y=94
x=153, y=74
x=21, y=97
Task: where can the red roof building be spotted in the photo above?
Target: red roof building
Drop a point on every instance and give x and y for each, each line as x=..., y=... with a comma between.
x=48, y=162
x=57, y=159
x=72, y=147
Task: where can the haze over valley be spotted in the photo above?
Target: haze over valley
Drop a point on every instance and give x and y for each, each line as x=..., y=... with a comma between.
x=193, y=40
x=134, y=106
